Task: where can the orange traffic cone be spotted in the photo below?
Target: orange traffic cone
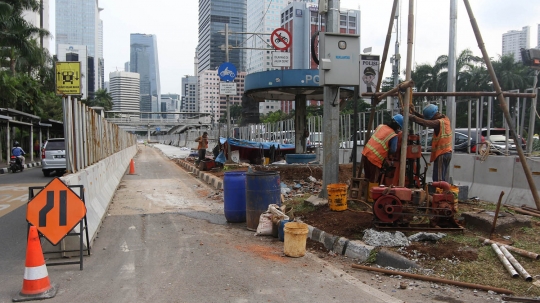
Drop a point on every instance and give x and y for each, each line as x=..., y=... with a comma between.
x=36, y=283
x=132, y=167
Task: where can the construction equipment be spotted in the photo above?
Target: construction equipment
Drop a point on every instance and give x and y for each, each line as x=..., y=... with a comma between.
x=414, y=209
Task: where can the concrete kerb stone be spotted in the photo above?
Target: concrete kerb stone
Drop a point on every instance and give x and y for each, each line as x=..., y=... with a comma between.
x=5, y=170
x=350, y=248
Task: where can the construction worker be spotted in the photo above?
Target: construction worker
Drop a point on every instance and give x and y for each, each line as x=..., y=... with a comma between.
x=441, y=144
x=203, y=145
x=382, y=143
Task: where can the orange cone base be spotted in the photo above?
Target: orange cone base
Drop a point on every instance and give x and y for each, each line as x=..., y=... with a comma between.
x=50, y=293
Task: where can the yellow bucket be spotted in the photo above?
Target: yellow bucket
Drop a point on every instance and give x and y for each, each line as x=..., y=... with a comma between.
x=337, y=196
x=295, y=237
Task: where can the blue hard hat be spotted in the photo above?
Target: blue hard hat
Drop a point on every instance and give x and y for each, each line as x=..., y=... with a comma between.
x=430, y=111
x=399, y=119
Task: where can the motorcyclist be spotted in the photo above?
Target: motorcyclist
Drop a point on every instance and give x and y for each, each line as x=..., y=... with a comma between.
x=18, y=152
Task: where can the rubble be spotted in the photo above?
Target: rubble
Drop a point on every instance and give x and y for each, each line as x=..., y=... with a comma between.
x=423, y=236
x=385, y=239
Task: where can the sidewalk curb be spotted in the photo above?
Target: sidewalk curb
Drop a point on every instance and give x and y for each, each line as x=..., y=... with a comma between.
x=353, y=249
x=26, y=165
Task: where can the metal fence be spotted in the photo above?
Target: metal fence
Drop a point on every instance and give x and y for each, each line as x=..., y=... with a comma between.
x=89, y=136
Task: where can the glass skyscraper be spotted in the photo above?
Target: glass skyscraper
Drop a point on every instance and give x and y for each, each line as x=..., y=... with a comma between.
x=144, y=60
x=78, y=23
x=213, y=15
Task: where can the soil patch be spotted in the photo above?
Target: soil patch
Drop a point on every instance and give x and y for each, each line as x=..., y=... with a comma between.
x=349, y=223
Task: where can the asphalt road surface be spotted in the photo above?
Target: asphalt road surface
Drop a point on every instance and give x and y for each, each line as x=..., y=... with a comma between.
x=165, y=239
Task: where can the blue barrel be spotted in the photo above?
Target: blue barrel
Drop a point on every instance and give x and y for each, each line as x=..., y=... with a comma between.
x=234, y=196
x=262, y=189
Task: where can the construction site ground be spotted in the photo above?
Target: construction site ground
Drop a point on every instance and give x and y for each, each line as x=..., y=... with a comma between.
x=459, y=256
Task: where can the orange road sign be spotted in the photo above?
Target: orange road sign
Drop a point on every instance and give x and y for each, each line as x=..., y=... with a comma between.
x=55, y=211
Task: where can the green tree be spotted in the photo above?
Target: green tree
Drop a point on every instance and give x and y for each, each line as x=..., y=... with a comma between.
x=103, y=99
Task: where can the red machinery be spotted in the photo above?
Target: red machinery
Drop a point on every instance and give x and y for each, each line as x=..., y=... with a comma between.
x=411, y=207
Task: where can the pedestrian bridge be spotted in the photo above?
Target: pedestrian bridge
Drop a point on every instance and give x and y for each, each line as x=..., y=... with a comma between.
x=157, y=123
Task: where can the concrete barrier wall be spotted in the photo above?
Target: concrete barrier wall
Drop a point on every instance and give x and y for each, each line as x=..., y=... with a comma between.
x=463, y=169
x=491, y=177
x=521, y=193
x=100, y=182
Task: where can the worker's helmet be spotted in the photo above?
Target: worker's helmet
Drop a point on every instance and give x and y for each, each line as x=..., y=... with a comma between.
x=399, y=120
x=16, y=144
x=430, y=111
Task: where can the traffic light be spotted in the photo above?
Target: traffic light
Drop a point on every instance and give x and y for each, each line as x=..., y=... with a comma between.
x=531, y=57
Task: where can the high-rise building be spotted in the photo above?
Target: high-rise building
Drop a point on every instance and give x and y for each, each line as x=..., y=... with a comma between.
x=302, y=20
x=513, y=41
x=189, y=102
x=538, y=38
x=78, y=23
x=210, y=101
x=34, y=18
x=144, y=60
x=213, y=15
x=124, y=90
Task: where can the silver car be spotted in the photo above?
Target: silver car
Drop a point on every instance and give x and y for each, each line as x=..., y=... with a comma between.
x=53, y=156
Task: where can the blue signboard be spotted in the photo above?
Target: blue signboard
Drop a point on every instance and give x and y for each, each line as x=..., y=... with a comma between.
x=158, y=129
x=227, y=72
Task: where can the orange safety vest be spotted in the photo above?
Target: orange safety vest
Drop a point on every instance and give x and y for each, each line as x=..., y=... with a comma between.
x=441, y=143
x=376, y=150
x=203, y=143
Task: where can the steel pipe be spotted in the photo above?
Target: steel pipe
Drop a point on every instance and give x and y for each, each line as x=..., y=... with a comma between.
x=522, y=272
x=434, y=279
x=518, y=251
x=504, y=261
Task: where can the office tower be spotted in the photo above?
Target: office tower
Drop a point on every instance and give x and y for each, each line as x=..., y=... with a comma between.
x=189, y=102
x=513, y=41
x=213, y=15
x=172, y=105
x=144, y=60
x=124, y=90
x=210, y=101
x=34, y=18
x=78, y=23
x=538, y=38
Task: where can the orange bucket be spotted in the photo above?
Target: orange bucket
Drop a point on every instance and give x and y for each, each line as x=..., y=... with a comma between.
x=337, y=196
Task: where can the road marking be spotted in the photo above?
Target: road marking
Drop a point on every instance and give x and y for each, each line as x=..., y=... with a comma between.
x=14, y=196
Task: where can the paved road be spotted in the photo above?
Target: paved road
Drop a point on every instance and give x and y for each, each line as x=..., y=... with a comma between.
x=166, y=240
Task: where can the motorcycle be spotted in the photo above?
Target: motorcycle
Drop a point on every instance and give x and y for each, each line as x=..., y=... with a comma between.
x=15, y=164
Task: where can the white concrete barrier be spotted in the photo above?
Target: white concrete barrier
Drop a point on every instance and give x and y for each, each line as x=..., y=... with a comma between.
x=492, y=176
x=463, y=169
x=100, y=182
x=521, y=193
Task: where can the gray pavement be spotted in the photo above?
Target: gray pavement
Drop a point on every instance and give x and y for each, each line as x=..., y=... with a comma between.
x=164, y=239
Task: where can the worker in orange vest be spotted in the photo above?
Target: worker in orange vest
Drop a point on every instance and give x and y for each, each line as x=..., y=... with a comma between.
x=203, y=145
x=441, y=144
x=382, y=143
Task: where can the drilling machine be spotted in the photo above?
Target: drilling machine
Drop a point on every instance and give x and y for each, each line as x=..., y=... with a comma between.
x=410, y=207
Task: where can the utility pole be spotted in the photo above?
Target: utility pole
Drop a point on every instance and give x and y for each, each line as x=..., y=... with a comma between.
x=331, y=112
x=228, y=105
x=451, y=80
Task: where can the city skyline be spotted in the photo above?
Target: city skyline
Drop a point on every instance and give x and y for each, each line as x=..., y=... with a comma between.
x=178, y=40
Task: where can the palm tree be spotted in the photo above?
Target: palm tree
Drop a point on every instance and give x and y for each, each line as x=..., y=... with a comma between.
x=103, y=98
x=512, y=75
x=465, y=62
x=16, y=34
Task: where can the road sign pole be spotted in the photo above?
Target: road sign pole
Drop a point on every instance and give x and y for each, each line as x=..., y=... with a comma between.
x=228, y=105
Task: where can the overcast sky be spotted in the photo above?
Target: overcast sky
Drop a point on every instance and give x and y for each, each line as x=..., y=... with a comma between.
x=176, y=25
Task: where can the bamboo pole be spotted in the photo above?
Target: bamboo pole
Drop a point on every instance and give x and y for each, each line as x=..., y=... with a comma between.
x=434, y=279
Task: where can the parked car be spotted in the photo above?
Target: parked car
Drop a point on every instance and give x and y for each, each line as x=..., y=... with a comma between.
x=53, y=156
x=462, y=141
x=497, y=137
